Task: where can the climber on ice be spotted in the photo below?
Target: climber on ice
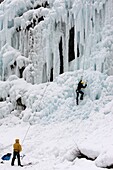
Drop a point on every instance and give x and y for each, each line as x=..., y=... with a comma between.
x=81, y=85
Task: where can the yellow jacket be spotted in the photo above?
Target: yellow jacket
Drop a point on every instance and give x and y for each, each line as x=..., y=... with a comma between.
x=16, y=146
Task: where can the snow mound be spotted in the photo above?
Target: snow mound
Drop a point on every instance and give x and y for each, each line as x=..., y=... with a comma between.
x=52, y=101
x=105, y=159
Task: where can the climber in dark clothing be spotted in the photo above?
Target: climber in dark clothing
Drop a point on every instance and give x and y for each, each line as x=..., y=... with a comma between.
x=79, y=90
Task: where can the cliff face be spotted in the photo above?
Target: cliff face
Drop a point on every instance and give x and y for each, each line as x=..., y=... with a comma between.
x=41, y=39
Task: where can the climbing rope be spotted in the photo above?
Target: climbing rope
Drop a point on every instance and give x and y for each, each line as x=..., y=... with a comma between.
x=33, y=115
x=26, y=134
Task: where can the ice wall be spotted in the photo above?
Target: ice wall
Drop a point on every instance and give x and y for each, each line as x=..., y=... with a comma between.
x=55, y=36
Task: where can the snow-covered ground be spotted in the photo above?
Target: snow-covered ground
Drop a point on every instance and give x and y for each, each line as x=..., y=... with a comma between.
x=53, y=128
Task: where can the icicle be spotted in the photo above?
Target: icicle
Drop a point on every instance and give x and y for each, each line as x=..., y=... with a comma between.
x=48, y=52
x=90, y=18
x=86, y=20
x=1, y=66
x=103, y=14
x=81, y=26
x=26, y=49
x=65, y=47
x=66, y=4
x=107, y=12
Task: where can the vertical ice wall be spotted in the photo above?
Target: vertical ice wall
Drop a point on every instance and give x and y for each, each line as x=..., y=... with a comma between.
x=54, y=36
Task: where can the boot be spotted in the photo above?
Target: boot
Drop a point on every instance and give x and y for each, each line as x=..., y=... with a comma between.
x=20, y=165
x=81, y=98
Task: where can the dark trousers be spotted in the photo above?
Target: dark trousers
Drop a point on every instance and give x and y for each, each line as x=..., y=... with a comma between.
x=81, y=97
x=16, y=154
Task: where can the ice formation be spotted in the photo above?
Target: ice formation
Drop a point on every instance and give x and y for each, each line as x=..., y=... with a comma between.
x=52, y=37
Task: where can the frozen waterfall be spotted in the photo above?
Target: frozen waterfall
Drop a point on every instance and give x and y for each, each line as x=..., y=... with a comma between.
x=41, y=39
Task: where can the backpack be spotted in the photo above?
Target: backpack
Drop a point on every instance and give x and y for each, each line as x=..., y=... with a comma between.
x=6, y=157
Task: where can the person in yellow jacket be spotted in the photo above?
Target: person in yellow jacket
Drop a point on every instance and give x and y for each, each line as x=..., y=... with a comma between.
x=17, y=148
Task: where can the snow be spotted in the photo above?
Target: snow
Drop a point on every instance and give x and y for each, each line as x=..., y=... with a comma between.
x=53, y=130
x=55, y=133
